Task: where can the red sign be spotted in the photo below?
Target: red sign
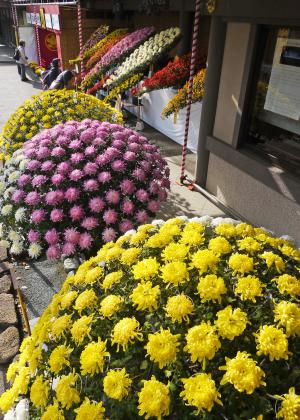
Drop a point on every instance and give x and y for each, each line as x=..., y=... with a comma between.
x=47, y=45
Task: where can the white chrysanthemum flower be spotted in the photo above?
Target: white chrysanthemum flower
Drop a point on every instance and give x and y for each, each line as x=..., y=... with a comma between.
x=20, y=214
x=17, y=248
x=14, y=236
x=2, y=187
x=8, y=192
x=1, y=230
x=13, y=176
x=23, y=164
x=34, y=250
x=6, y=210
x=4, y=243
x=157, y=222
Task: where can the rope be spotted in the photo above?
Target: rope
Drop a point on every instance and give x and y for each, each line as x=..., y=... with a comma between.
x=37, y=37
x=80, y=36
x=190, y=88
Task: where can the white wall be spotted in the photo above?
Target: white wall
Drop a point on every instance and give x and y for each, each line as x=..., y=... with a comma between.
x=27, y=34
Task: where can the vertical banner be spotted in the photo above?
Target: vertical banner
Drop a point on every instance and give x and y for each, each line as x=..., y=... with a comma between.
x=48, y=46
x=42, y=18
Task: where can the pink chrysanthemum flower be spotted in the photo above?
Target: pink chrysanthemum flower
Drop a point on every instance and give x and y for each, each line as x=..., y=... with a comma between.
x=52, y=198
x=56, y=215
x=63, y=167
x=58, y=152
x=39, y=180
x=57, y=179
x=125, y=225
x=68, y=248
x=129, y=156
x=134, y=147
x=127, y=186
x=90, y=185
x=90, y=168
x=90, y=151
x=118, y=165
x=154, y=187
x=76, y=175
x=104, y=177
x=17, y=196
x=43, y=152
x=53, y=252
x=33, y=165
x=62, y=140
x=96, y=204
x=162, y=195
x=52, y=237
x=97, y=142
x=72, y=236
x=146, y=166
x=142, y=216
x=109, y=234
x=47, y=166
x=33, y=236
x=77, y=157
x=24, y=179
x=38, y=216
x=102, y=159
x=110, y=216
x=142, y=195
x=87, y=135
x=85, y=241
x=75, y=144
x=139, y=174
x=153, y=206
x=32, y=198
x=112, y=152
x=76, y=213
x=30, y=152
x=90, y=223
x=127, y=207
x=112, y=197
x=118, y=144
x=72, y=194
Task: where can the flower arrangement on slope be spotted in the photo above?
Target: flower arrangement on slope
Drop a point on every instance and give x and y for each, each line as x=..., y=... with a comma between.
x=117, y=53
x=36, y=68
x=48, y=109
x=185, y=319
x=149, y=52
x=128, y=83
x=105, y=45
x=174, y=74
x=94, y=39
x=78, y=185
x=179, y=101
x=97, y=86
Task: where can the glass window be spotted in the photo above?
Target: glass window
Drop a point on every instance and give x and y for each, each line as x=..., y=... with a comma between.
x=275, y=120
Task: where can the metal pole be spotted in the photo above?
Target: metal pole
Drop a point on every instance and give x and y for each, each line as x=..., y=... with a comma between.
x=190, y=89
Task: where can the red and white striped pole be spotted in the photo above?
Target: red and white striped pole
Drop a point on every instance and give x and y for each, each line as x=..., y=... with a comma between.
x=37, y=36
x=190, y=88
x=80, y=36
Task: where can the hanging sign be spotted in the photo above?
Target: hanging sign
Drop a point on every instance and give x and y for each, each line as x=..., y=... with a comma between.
x=48, y=20
x=55, y=22
x=28, y=17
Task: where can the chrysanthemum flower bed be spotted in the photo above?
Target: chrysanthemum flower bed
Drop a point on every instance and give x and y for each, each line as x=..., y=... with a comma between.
x=178, y=320
x=48, y=109
x=78, y=185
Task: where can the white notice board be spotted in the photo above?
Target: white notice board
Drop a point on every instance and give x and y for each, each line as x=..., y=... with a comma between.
x=28, y=17
x=55, y=22
x=48, y=20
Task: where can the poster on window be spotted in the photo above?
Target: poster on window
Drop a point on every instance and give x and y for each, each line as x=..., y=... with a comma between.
x=28, y=17
x=48, y=20
x=32, y=15
x=283, y=95
x=55, y=22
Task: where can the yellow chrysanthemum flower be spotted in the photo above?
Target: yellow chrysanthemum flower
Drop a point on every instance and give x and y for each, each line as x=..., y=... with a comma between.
x=212, y=288
x=162, y=347
x=39, y=392
x=226, y=229
x=154, y=399
x=241, y=263
x=249, y=288
x=90, y=410
x=202, y=342
x=12, y=371
x=116, y=384
x=200, y=391
x=288, y=284
x=175, y=273
x=52, y=412
x=145, y=269
x=59, y=358
x=67, y=299
x=175, y=252
x=249, y=244
x=93, y=275
x=21, y=381
x=219, y=246
x=205, y=260
x=179, y=307
x=194, y=227
x=290, y=251
x=66, y=393
x=231, y=323
x=145, y=296
x=7, y=399
x=113, y=253
x=273, y=259
x=92, y=358
x=60, y=326
x=290, y=406
x=110, y=305
x=192, y=237
x=272, y=342
x=138, y=237
x=111, y=279
x=170, y=229
x=81, y=328
x=243, y=373
x=130, y=256
x=287, y=315
x=243, y=229
x=126, y=331
x=86, y=299
x=158, y=240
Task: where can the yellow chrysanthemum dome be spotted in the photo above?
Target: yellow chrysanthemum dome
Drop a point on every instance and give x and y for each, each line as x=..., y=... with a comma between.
x=201, y=321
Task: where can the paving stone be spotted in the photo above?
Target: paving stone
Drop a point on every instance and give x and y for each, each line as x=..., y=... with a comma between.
x=5, y=284
x=9, y=344
x=8, y=314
